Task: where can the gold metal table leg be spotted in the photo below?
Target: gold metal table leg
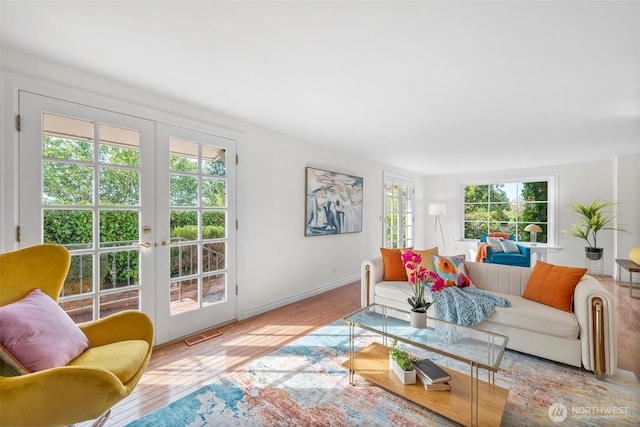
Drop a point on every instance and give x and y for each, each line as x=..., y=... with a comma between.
x=473, y=395
x=351, y=354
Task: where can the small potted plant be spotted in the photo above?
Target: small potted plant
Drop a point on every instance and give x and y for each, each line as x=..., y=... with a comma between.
x=402, y=364
x=593, y=218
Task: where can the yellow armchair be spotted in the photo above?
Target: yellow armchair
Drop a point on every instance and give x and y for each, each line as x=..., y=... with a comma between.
x=120, y=347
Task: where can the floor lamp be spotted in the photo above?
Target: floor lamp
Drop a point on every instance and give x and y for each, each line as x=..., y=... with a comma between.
x=437, y=210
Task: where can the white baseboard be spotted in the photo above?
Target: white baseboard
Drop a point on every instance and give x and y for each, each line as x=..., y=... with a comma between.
x=298, y=297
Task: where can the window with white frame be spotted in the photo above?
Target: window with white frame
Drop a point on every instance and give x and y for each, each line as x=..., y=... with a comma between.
x=509, y=206
x=398, y=211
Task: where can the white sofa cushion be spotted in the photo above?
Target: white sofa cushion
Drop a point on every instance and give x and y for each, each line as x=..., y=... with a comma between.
x=393, y=290
x=536, y=317
x=397, y=291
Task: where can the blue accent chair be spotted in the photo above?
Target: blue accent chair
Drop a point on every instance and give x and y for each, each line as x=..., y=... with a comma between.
x=523, y=259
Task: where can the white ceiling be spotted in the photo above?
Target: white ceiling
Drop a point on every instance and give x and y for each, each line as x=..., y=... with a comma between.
x=430, y=87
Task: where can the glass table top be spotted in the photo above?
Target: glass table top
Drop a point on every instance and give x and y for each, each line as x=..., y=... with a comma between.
x=476, y=347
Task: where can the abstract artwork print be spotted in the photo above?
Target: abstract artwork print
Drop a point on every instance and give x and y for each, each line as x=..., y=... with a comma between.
x=333, y=203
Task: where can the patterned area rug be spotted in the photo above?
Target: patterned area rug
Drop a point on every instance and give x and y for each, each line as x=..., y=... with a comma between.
x=303, y=384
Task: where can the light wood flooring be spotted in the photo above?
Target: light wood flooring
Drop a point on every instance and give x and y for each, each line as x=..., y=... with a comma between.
x=176, y=369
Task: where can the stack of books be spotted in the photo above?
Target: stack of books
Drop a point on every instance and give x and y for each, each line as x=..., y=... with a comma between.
x=433, y=377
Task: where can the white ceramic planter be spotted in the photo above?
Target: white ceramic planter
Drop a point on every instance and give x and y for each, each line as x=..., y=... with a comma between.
x=418, y=320
x=406, y=377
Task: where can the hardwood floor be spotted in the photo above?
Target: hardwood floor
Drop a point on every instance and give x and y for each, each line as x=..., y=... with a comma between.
x=176, y=369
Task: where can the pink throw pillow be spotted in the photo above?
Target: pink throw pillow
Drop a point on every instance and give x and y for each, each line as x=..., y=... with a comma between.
x=37, y=333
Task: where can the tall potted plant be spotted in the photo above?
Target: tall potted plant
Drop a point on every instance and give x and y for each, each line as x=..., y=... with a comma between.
x=593, y=218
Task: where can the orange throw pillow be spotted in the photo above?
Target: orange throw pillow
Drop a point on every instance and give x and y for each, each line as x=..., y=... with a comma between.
x=427, y=259
x=393, y=268
x=553, y=285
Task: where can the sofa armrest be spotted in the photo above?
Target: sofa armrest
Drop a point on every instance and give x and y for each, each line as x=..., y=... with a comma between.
x=596, y=314
x=524, y=250
x=371, y=272
x=489, y=252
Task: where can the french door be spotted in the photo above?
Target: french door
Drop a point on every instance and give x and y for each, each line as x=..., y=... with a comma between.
x=196, y=214
x=143, y=207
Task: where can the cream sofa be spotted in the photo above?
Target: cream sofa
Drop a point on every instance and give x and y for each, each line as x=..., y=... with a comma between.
x=586, y=337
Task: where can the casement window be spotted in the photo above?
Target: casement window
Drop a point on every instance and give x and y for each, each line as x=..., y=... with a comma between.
x=508, y=206
x=398, y=211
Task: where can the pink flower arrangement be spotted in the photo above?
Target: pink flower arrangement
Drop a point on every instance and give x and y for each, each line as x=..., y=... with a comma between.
x=439, y=284
x=419, y=277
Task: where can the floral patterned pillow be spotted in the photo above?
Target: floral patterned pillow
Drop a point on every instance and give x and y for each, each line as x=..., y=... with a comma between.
x=453, y=270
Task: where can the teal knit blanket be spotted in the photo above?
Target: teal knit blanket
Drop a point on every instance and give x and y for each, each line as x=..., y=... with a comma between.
x=466, y=306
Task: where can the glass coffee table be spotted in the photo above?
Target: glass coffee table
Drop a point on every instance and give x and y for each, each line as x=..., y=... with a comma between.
x=470, y=401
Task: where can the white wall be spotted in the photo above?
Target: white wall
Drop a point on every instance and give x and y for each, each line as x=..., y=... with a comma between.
x=3, y=163
x=276, y=263
x=627, y=180
x=613, y=180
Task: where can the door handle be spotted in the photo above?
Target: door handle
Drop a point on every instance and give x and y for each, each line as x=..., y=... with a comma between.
x=165, y=243
x=142, y=245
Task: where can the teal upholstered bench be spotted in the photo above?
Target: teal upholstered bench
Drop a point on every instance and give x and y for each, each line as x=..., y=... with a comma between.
x=521, y=259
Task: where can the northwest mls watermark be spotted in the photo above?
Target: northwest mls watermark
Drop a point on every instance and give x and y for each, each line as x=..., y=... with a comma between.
x=559, y=412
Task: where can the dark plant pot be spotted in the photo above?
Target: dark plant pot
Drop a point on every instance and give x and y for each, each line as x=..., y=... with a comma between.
x=593, y=254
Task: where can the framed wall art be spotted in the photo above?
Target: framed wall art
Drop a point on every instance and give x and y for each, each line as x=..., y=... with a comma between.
x=333, y=203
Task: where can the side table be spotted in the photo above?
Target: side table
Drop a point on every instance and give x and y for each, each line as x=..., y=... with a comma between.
x=631, y=267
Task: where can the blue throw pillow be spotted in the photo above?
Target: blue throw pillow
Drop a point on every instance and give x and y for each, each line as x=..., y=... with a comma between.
x=510, y=247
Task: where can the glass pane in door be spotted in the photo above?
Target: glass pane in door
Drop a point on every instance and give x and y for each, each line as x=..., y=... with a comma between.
x=91, y=205
x=198, y=203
